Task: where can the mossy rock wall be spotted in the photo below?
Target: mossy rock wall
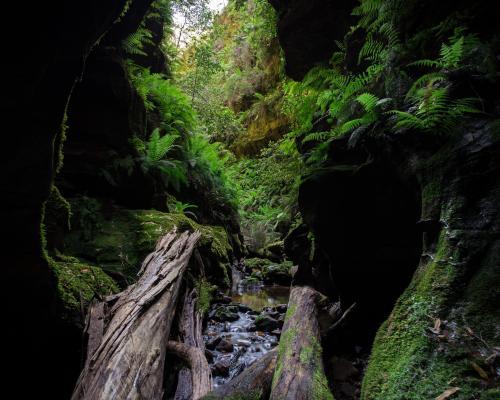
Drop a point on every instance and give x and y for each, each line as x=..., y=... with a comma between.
x=443, y=329
x=118, y=239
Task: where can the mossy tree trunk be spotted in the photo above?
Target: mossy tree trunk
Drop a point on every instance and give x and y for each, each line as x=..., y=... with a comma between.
x=299, y=374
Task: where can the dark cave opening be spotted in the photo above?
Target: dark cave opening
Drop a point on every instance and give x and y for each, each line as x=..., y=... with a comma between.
x=365, y=220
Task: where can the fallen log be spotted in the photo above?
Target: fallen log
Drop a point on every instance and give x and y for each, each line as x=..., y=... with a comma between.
x=128, y=362
x=198, y=377
x=299, y=373
x=184, y=385
x=201, y=380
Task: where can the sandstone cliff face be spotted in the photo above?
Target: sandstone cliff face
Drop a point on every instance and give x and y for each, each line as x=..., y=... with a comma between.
x=405, y=219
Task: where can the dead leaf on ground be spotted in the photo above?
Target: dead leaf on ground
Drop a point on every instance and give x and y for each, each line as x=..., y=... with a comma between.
x=482, y=373
x=436, y=329
x=447, y=393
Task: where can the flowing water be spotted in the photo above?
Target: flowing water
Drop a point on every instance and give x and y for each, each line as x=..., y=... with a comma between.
x=248, y=344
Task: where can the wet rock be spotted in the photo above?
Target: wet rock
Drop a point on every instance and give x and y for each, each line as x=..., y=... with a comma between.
x=281, y=308
x=225, y=346
x=273, y=314
x=277, y=333
x=212, y=344
x=252, y=328
x=244, y=308
x=226, y=299
x=226, y=313
x=209, y=356
x=266, y=323
x=221, y=368
x=244, y=343
x=278, y=274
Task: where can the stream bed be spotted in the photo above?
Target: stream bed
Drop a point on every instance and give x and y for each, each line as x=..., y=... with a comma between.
x=243, y=327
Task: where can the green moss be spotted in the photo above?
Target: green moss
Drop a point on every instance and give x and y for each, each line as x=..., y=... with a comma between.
x=56, y=214
x=78, y=282
x=290, y=311
x=284, y=350
x=251, y=395
x=205, y=293
x=404, y=359
x=119, y=239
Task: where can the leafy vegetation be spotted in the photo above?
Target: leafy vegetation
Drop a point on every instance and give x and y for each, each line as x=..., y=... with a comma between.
x=333, y=101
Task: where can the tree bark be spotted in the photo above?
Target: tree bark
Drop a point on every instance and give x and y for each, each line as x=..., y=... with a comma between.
x=201, y=380
x=129, y=360
x=192, y=349
x=253, y=381
x=299, y=374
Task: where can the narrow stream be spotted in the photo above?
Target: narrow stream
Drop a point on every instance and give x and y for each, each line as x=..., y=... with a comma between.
x=243, y=327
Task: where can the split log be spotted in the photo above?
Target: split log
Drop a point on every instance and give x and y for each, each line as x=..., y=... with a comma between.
x=129, y=360
x=299, y=373
x=199, y=376
x=201, y=380
x=255, y=381
x=184, y=385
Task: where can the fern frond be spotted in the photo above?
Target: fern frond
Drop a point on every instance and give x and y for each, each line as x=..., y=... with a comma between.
x=368, y=101
x=316, y=137
x=372, y=50
x=452, y=55
x=158, y=147
x=425, y=80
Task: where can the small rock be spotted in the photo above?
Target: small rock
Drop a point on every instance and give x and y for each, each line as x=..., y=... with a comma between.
x=243, y=308
x=228, y=313
x=273, y=314
x=212, y=344
x=281, y=308
x=244, y=343
x=225, y=346
x=209, y=356
x=266, y=323
x=221, y=368
x=276, y=332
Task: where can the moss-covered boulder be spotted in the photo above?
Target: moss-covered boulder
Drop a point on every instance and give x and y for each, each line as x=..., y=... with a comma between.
x=78, y=283
x=269, y=272
x=118, y=239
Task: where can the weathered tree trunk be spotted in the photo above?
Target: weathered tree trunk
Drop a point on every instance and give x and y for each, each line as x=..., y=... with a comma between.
x=299, y=373
x=201, y=379
x=253, y=382
x=192, y=350
x=129, y=359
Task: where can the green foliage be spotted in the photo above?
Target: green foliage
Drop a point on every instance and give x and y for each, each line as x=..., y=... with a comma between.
x=134, y=43
x=78, y=283
x=267, y=189
x=162, y=95
x=205, y=293
x=431, y=107
x=331, y=101
x=209, y=160
x=434, y=111
x=157, y=147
